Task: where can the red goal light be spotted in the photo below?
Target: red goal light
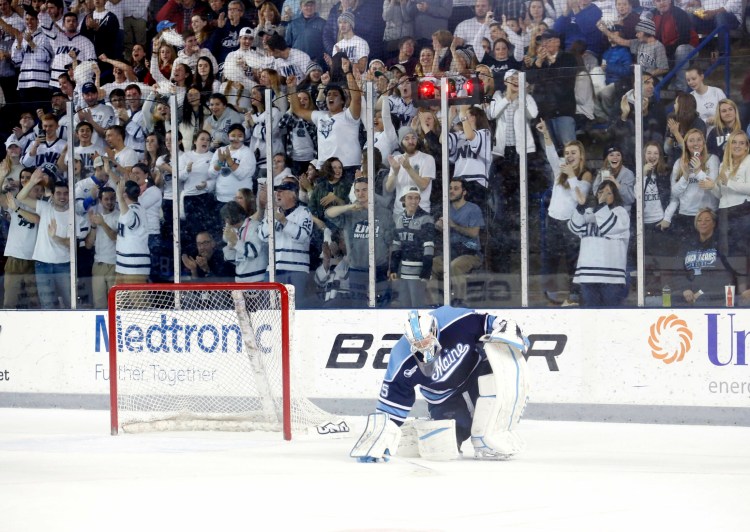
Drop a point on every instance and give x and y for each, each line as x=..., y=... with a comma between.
x=426, y=90
x=472, y=85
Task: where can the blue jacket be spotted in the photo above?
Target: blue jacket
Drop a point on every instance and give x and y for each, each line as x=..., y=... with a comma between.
x=582, y=27
x=619, y=64
x=305, y=34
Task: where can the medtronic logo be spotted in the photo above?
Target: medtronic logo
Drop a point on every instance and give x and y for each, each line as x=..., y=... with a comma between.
x=670, y=339
x=177, y=337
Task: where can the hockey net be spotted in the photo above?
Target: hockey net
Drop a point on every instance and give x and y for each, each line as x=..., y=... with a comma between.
x=207, y=357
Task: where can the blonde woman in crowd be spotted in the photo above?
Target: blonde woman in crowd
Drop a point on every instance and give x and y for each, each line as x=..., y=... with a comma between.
x=689, y=194
x=732, y=188
x=571, y=177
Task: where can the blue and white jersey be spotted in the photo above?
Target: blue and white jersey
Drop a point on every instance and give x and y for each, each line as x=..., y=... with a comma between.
x=459, y=331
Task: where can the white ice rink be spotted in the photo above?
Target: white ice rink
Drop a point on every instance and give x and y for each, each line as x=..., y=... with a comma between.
x=61, y=470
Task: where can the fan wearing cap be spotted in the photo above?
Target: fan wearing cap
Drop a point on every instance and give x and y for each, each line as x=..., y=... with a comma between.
x=511, y=120
x=554, y=88
x=368, y=24
x=10, y=167
x=304, y=31
x=32, y=54
x=412, y=250
x=226, y=37
x=293, y=226
x=614, y=170
x=353, y=46
x=101, y=27
x=52, y=248
x=239, y=64
x=413, y=168
x=94, y=111
x=648, y=51
x=177, y=12
x=338, y=128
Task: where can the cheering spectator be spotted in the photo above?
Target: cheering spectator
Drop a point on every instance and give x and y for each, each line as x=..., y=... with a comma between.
x=466, y=221
x=706, y=97
x=232, y=167
x=132, y=244
x=554, y=76
x=726, y=122
x=208, y=263
x=355, y=48
x=19, y=278
x=69, y=44
x=471, y=152
x=244, y=246
x=412, y=250
x=604, y=232
x=706, y=268
x=412, y=169
x=684, y=118
x=733, y=190
x=571, y=178
x=180, y=11
x=709, y=14
x=429, y=16
x=613, y=170
x=32, y=54
x=693, y=176
x=52, y=249
x=352, y=219
x=102, y=238
x=674, y=30
x=304, y=31
x=337, y=127
x=293, y=227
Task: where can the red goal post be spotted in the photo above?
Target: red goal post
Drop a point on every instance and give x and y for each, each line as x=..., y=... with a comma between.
x=204, y=356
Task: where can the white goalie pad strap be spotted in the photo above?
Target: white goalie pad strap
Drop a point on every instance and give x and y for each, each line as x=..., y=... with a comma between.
x=379, y=441
x=408, y=446
x=436, y=439
x=502, y=400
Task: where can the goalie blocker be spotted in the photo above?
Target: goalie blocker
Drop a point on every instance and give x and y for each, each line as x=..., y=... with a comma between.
x=472, y=373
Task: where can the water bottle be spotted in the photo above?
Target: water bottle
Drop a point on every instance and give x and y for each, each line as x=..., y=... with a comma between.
x=666, y=297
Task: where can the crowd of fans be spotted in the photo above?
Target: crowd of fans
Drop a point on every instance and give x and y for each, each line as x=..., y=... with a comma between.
x=118, y=64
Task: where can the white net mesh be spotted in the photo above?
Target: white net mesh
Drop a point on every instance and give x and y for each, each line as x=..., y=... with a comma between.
x=208, y=359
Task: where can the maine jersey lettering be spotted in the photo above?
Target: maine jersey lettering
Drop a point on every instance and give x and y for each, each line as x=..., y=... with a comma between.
x=459, y=331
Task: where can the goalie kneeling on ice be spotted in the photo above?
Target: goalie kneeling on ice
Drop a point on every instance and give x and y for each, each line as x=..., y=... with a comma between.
x=470, y=368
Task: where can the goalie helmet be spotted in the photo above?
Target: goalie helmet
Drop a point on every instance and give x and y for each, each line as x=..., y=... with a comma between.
x=421, y=330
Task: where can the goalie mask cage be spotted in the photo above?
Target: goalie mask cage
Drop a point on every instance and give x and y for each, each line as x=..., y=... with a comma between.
x=209, y=356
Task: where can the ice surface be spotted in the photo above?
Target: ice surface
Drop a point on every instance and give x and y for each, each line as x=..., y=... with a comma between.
x=61, y=470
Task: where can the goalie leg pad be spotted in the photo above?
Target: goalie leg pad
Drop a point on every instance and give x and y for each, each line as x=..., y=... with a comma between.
x=436, y=439
x=502, y=399
x=408, y=446
x=379, y=441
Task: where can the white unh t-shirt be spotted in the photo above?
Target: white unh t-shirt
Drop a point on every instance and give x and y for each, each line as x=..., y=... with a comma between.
x=707, y=104
x=47, y=249
x=338, y=136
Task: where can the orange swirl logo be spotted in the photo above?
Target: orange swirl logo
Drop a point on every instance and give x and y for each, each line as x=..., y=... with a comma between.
x=670, y=339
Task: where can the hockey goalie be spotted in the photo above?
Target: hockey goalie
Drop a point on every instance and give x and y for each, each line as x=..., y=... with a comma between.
x=471, y=370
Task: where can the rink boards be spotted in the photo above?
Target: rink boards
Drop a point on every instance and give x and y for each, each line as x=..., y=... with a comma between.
x=670, y=357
